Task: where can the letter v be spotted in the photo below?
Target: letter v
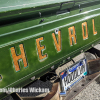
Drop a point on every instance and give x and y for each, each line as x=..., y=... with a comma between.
x=57, y=44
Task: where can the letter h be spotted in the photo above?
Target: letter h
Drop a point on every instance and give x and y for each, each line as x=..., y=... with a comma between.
x=16, y=58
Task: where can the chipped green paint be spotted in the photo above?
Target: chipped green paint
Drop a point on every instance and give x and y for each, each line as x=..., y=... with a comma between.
x=0, y=77
x=13, y=34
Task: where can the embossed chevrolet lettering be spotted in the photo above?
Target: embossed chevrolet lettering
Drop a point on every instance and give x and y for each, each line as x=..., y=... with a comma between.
x=43, y=35
x=57, y=44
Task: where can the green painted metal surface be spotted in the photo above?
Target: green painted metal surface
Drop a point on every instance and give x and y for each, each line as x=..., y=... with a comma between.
x=26, y=33
x=20, y=4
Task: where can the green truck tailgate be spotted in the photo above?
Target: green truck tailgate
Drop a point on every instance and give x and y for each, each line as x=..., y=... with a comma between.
x=30, y=46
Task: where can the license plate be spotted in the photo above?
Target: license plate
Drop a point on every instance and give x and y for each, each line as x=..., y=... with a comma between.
x=73, y=74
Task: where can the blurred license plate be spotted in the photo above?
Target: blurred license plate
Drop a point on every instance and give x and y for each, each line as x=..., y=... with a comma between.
x=73, y=74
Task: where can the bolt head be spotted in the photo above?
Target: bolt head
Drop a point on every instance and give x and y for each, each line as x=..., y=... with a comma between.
x=33, y=78
x=52, y=67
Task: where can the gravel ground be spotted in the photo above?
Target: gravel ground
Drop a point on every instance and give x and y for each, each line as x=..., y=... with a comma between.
x=92, y=92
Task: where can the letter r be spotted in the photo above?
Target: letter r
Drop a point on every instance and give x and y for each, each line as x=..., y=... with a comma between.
x=72, y=35
x=16, y=58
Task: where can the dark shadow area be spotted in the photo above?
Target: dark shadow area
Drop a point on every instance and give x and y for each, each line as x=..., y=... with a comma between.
x=94, y=51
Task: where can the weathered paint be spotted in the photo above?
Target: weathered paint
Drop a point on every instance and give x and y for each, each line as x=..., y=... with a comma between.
x=40, y=45
x=16, y=57
x=72, y=35
x=94, y=31
x=40, y=49
x=85, y=30
x=57, y=44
